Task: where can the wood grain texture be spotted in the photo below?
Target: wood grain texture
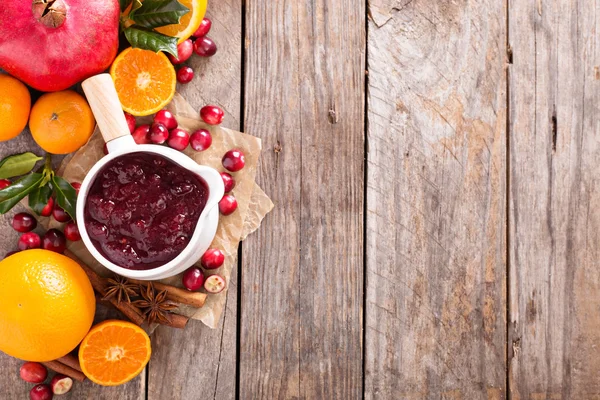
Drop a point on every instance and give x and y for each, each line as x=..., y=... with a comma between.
x=554, y=198
x=436, y=200
x=301, y=322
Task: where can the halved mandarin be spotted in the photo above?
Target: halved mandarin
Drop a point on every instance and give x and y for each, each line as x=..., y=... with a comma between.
x=145, y=81
x=114, y=352
x=189, y=23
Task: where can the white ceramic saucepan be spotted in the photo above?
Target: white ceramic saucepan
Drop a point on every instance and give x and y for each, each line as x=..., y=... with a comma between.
x=104, y=102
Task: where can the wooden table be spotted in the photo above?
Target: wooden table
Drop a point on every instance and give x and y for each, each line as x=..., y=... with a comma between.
x=435, y=166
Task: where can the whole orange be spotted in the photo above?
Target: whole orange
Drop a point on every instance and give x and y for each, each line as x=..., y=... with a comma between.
x=15, y=104
x=47, y=305
x=61, y=122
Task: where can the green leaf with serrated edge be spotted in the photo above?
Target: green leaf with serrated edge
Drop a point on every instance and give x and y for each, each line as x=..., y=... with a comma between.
x=149, y=40
x=39, y=197
x=17, y=165
x=123, y=4
x=66, y=196
x=17, y=191
x=155, y=13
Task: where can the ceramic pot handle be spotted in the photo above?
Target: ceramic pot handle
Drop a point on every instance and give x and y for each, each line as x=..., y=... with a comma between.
x=104, y=102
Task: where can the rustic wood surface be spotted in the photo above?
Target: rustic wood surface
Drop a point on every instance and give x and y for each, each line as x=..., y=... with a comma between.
x=435, y=228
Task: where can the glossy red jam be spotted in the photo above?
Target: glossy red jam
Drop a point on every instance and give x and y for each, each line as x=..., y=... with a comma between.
x=142, y=210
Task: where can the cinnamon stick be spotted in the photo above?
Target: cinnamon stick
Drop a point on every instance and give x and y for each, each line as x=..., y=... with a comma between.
x=177, y=321
x=70, y=361
x=61, y=368
x=194, y=299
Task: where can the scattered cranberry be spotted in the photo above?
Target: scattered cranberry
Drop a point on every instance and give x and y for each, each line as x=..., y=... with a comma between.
x=228, y=181
x=204, y=28
x=105, y=149
x=72, y=232
x=214, y=284
x=212, y=115
x=4, y=183
x=23, y=222
x=201, y=140
x=141, y=135
x=48, y=208
x=184, y=51
x=130, y=121
x=178, y=139
x=234, y=160
x=193, y=278
x=60, y=215
x=166, y=118
x=205, y=47
x=41, y=392
x=29, y=240
x=61, y=384
x=76, y=186
x=227, y=205
x=10, y=253
x=33, y=372
x=185, y=75
x=54, y=240
x=158, y=133
x=212, y=259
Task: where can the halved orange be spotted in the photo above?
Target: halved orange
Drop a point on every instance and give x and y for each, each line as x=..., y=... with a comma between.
x=189, y=23
x=114, y=352
x=145, y=81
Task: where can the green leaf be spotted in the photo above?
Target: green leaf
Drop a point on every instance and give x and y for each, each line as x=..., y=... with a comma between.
x=17, y=165
x=124, y=4
x=155, y=13
x=17, y=191
x=66, y=196
x=149, y=40
x=39, y=197
x=136, y=4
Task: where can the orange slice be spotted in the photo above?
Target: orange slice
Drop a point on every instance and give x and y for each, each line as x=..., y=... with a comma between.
x=189, y=23
x=145, y=81
x=114, y=352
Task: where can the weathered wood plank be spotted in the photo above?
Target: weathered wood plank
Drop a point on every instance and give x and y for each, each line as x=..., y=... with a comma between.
x=554, y=198
x=436, y=200
x=301, y=322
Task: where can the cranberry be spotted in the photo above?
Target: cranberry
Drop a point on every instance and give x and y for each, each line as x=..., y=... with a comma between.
x=214, y=284
x=54, y=240
x=141, y=135
x=72, y=232
x=105, y=149
x=234, y=160
x=76, y=186
x=23, y=222
x=203, y=29
x=166, y=118
x=201, y=140
x=130, y=121
x=61, y=384
x=205, y=47
x=60, y=215
x=193, y=278
x=48, y=208
x=33, y=372
x=185, y=75
x=228, y=204
x=96, y=230
x=212, y=259
x=41, y=392
x=10, y=253
x=212, y=115
x=184, y=51
x=29, y=240
x=158, y=133
x=228, y=181
x=178, y=139
x=4, y=183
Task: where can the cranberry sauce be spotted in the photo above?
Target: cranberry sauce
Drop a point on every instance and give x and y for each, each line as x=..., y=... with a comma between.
x=142, y=210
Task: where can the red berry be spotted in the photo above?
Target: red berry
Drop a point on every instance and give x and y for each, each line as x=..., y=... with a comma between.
x=54, y=240
x=72, y=232
x=201, y=140
x=158, y=133
x=193, y=278
x=228, y=204
x=10, y=253
x=23, y=222
x=76, y=186
x=205, y=47
x=184, y=51
x=212, y=115
x=48, y=208
x=166, y=118
x=212, y=259
x=178, y=139
x=41, y=392
x=61, y=384
x=204, y=28
x=234, y=160
x=60, y=215
x=33, y=372
x=214, y=284
x=4, y=183
x=29, y=240
x=130, y=121
x=105, y=149
x=228, y=181
x=185, y=75
x=141, y=135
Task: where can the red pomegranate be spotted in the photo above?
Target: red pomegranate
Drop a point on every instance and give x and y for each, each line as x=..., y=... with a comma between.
x=53, y=44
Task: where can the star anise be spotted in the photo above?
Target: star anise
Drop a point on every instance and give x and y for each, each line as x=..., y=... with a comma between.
x=154, y=305
x=121, y=289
